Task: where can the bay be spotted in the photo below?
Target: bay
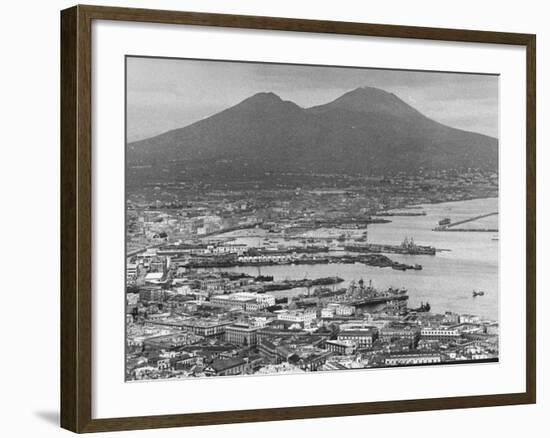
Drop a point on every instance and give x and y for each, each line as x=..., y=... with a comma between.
x=469, y=262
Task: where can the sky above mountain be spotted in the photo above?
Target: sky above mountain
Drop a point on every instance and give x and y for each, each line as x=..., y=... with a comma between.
x=165, y=94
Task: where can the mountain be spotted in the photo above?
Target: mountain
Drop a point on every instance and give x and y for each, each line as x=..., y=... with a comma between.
x=366, y=130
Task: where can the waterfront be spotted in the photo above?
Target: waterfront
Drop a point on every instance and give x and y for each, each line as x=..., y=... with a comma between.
x=446, y=280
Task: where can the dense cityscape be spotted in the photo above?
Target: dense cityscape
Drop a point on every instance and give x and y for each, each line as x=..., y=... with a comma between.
x=198, y=304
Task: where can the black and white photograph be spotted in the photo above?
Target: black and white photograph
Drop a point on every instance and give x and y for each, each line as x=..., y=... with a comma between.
x=285, y=218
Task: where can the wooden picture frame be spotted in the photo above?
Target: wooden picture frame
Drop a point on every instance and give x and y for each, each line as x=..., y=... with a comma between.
x=76, y=218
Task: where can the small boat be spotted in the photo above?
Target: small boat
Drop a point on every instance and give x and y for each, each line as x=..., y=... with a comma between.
x=477, y=293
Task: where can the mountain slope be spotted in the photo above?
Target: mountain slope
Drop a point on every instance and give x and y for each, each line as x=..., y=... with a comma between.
x=366, y=130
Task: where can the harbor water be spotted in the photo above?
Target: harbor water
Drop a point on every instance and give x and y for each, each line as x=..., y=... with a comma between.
x=469, y=260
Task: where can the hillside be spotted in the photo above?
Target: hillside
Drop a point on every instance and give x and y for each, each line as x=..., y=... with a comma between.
x=364, y=131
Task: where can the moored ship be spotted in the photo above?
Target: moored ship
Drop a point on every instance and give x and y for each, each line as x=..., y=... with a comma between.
x=360, y=295
x=408, y=246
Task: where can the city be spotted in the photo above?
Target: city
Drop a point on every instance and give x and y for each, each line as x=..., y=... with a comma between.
x=201, y=299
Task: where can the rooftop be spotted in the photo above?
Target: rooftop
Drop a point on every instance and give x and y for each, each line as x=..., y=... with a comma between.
x=358, y=332
x=225, y=364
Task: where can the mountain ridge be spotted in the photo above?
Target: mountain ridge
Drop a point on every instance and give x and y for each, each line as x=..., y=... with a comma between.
x=366, y=130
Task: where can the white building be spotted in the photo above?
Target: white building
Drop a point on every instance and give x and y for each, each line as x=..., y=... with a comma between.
x=413, y=359
x=245, y=300
x=471, y=319
x=271, y=258
x=439, y=333
x=344, y=310
x=305, y=317
x=362, y=337
x=131, y=272
x=337, y=309
x=154, y=277
x=230, y=248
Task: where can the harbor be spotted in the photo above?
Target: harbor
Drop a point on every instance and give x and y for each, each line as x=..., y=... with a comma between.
x=446, y=279
x=318, y=292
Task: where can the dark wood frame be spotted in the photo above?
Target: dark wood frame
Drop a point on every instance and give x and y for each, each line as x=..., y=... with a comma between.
x=76, y=225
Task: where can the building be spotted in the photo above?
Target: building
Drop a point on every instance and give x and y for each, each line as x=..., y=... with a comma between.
x=131, y=273
x=365, y=322
x=442, y=333
x=468, y=328
x=206, y=352
x=212, y=283
x=227, y=367
x=277, y=348
x=171, y=341
x=309, y=358
x=206, y=327
x=283, y=368
x=451, y=318
x=244, y=300
x=132, y=299
x=279, y=329
x=413, y=358
x=341, y=348
x=304, y=317
x=242, y=334
x=345, y=310
x=158, y=265
x=230, y=248
x=327, y=313
x=184, y=361
x=391, y=334
x=265, y=300
x=154, y=277
x=363, y=337
x=151, y=294
x=270, y=350
x=160, y=363
x=184, y=289
x=264, y=259
x=492, y=328
x=182, y=249
x=337, y=309
x=472, y=319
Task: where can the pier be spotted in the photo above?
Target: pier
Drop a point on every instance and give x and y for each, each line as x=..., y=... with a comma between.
x=452, y=226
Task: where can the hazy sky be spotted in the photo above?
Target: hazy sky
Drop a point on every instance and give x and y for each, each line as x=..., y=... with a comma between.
x=165, y=94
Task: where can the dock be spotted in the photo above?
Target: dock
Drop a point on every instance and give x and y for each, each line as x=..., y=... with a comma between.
x=452, y=226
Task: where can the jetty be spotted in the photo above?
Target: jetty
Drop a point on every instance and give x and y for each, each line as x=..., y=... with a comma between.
x=453, y=225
